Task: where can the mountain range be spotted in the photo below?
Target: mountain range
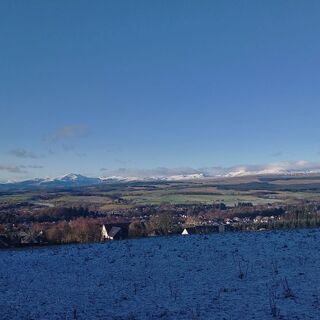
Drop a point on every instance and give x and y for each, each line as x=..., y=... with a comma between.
x=78, y=180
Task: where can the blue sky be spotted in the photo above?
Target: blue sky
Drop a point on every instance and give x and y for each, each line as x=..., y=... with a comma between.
x=86, y=85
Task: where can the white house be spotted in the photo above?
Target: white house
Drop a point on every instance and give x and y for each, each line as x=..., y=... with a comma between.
x=112, y=234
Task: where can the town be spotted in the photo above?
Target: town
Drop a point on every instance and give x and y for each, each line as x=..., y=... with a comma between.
x=27, y=224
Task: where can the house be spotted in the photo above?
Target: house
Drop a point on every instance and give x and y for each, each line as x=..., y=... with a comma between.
x=24, y=238
x=203, y=229
x=257, y=219
x=187, y=231
x=112, y=233
x=29, y=238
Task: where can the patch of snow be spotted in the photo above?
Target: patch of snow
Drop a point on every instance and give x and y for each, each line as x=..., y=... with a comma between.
x=185, y=177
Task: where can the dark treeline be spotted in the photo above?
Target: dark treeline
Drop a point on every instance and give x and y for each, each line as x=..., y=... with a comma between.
x=314, y=187
x=56, y=214
x=305, y=216
x=244, y=212
x=45, y=215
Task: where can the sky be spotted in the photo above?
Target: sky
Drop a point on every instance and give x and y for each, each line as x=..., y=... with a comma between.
x=94, y=86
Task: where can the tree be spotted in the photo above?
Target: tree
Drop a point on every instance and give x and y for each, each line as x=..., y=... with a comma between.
x=162, y=222
x=137, y=229
x=192, y=221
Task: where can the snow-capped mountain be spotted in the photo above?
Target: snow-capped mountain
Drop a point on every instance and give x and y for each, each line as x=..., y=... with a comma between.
x=70, y=179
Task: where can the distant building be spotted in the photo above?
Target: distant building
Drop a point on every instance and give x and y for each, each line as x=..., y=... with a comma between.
x=29, y=238
x=203, y=229
x=257, y=219
x=186, y=231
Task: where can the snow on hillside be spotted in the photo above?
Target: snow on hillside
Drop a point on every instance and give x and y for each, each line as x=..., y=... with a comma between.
x=119, y=179
x=155, y=178
x=185, y=177
x=220, y=276
x=66, y=177
x=70, y=177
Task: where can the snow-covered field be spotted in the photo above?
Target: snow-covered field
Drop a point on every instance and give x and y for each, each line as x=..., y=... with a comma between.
x=219, y=276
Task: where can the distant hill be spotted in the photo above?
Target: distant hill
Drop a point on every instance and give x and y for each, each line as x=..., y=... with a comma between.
x=69, y=180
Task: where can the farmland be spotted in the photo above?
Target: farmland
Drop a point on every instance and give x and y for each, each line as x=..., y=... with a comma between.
x=229, y=191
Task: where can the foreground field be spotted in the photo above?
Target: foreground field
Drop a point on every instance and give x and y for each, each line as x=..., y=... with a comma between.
x=228, y=276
